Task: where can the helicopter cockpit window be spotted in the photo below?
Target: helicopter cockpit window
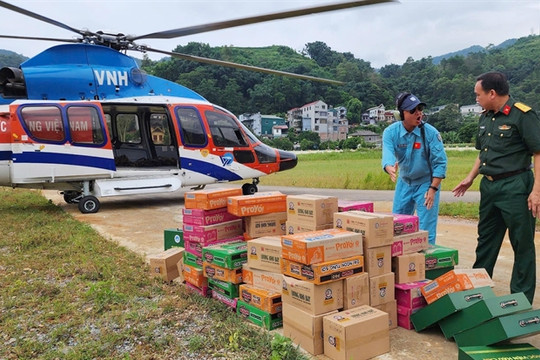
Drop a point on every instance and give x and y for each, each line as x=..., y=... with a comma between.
x=127, y=128
x=193, y=133
x=225, y=131
x=85, y=125
x=44, y=123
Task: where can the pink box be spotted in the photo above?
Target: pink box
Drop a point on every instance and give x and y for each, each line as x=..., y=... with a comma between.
x=207, y=217
x=227, y=301
x=195, y=248
x=404, y=317
x=405, y=224
x=209, y=233
x=203, y=291
x=408, y=243
x=409, y=295
x=347, y=205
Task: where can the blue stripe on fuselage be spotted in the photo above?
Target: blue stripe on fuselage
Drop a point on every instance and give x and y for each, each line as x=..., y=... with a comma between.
x=64, y=159
x=205, y=168
x=5, y=155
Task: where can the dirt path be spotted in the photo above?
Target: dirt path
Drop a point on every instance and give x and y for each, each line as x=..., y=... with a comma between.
x=138, y=224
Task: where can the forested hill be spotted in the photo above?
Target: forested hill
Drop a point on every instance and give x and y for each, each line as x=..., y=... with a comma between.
x=450, y=81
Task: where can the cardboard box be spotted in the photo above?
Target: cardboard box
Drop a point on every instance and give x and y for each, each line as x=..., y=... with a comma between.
x=164, y=264
x=381, y=289
x=391, y=309
x=262, y=279
x=319, y=246
x=293, y=227
x=410, y=243
x=405, y=224
x=438, y=257
x=409, y=268
x=501, y=329
x=212, y=233
x=312, y=298
x=265, y=300
x=228, y=289
x=272, y=224
x=264, y=253
x=180, y=267
x=194, y=276
x=258, y=316
x=173, y=238
x=230, y=302
x=304, y=329
x=409, y=295
x=378, y=260
x=499, y=352
x=355, y=291
x=404, y=316
x=348, y=205
x=209, y=199
x=311, y=209
x=360, y=333
x=482, y=311
x=377, y=229
x=202, y=217
x=257, y=204
x=220, y=273
x=193, y=260
x=231, y=255
x=447, y=305
x=195, y=248
x=324, y=272
x=454, y=281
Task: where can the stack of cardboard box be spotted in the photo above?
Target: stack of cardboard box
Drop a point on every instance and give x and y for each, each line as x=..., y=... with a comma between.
x=439, y=260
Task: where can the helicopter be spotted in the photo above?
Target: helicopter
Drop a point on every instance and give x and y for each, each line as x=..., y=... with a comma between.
x=82, y=118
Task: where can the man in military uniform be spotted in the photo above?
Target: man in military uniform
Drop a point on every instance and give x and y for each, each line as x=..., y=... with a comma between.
x=417, y=149
x=508, y=137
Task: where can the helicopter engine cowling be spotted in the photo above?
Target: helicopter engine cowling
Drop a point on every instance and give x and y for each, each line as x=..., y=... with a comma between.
x=12, y=83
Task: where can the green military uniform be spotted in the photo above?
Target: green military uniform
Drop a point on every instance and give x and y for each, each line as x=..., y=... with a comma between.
x=506, y=140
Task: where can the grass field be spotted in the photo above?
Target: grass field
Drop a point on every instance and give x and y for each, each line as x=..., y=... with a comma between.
x=360, y=170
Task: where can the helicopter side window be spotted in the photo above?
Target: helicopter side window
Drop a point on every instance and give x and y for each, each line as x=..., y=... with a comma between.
x=127, y=128
x=84, y=125
x=225, y=131
x=193, y=133
x=44, y=123
x=159, y=128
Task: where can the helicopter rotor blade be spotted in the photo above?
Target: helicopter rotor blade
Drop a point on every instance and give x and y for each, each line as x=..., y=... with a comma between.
x=40, y=17
x=254, y=19
x=39, y=38
x=244, y=67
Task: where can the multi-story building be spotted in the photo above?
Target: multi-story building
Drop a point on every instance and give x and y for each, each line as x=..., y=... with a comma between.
x=317, y=116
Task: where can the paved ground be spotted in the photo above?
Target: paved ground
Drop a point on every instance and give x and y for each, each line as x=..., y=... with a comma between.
x=138, y=223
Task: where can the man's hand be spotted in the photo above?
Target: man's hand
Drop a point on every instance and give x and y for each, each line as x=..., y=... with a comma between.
x=534, y=203
x=462, y=187
x=392, y=171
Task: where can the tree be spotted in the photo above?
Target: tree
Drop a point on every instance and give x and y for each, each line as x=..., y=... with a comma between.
x=354, y=111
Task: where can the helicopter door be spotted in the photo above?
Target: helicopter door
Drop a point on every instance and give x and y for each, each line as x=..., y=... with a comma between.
x=162, y=145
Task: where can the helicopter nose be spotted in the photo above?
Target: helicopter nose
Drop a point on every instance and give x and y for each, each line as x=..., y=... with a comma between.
x=287, y=160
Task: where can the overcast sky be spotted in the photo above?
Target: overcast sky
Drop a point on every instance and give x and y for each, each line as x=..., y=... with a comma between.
x=381, y=34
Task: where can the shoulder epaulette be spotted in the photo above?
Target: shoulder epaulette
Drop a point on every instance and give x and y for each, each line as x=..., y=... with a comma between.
x=522, y=107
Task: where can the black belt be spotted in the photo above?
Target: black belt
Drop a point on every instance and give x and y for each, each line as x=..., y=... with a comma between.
x=504, y=175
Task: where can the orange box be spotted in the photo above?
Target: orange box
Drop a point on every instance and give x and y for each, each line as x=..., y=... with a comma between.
x=454, y=281
x=257, y=204
x=318, y=246
x=194, y=276
x=219, y=273
x=324, y=272
x=209, y=199
x=263, y=279
x=265, y=300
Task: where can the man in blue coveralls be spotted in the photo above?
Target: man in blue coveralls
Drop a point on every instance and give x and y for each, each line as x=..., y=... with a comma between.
x=417, y=150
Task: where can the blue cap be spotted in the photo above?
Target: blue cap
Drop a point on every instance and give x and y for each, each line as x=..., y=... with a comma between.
x=410, y=103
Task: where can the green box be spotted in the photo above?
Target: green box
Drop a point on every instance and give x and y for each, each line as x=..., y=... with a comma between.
x=435, y=273
x=223, y=287
x=482, y=311
x=193, y=260
x=447, y=305
x=438, y=256
x=500, y=352
x=500, y=329
x=173, y=238
x=230, y=255
x=258, y=316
